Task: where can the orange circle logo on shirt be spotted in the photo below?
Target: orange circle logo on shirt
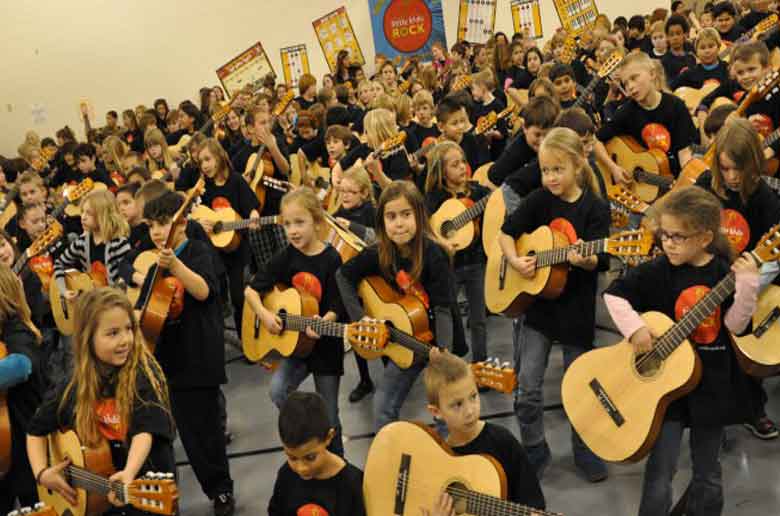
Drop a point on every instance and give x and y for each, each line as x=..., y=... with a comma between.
x=762, y=124
x=656, y=136
x=311, y=509
x=308, y=283
x=220, y=202
x=709, y=328
x=738, y=96
x=564, y=227
x=736, y=229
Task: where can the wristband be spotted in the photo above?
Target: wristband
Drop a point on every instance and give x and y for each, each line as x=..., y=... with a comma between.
x=38, y=476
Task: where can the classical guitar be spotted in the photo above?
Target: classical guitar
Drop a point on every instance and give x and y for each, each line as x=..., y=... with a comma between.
x=493, y=219
x=461, y=82
x=455, y=222
x=489, y=121
x=64, y=311
x=757, y=352
x=648, y=167
x=494, y=374
x=626, y=199
x=772, y=163
x=765, y=25
x=508, y=292
x=157, y=302
x=409, y=465
x=609, y=66
x=227, y=223
x=73, y=193
x=39, y=509
x=616, y=399
x=296, y=311
x=8, y=206
x=693, y=96
x=88, y=473
x=345, y=242
x=5, y=425
x=43, y=268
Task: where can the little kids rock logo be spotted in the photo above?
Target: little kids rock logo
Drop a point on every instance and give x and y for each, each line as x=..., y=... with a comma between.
x=405, y=28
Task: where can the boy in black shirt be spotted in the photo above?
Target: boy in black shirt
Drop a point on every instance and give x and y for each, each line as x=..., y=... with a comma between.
x=453, y=122
x=710, y=68
x=307, y=86
x=679, y=57
x=313, y=477
x=86, y=159
x=725, y=16
x=482, y=86
x=637, y=39
x=423, y=127
x=453, y=398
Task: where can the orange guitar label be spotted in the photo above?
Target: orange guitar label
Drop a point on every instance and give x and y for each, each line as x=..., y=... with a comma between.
x=709, y=328
x=220, y=202
x=311, y=509
x=43, y=266
x=762, y=124
x=109, y=423
x=565, y=228
x=405, y=283
x=656, y=136
x=308, y=283
x=736, y=228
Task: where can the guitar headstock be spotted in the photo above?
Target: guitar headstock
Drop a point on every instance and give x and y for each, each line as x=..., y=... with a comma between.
x=767, y=87
x=392, y=145
x=371, y=335
x=277, y=184
x=630, y=243
x=283, y=103
x=485, y=123
x=75, y=192
x=633, y=261
x=619, y=216
x=464, y=81
x=766, y=24
x=39, y=509
x=768, y=246
x=404, y=86
x=611, y=64
x=625, y=198
x=495, y=375
x=155, y=492
x=51, y=234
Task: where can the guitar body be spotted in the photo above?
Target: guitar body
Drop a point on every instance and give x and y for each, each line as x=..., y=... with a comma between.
x=432, y=467
x=690, y=173
x=493, y=219
x=693, y=96
x=346, y=243
x=639, y=399
x=5, y=426
x=183, y=142
x=66, y=445
x=142, y=263
x=481, y=175
x=256, y=183
x=512, y=296
x=227, y=241
x=64, y=312
x=758, y=353
x=451, y=208
x=258, y=342
x=631, y=155
x=405, y=312
x=771, y=166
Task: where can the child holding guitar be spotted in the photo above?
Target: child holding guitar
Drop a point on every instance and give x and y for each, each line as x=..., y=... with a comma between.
x=709, y=68
x=309, y=265
x=750, y=208
x=116, y=393
x=22, y=384
x=569, y=204
x=698, y=256
x=407, y=257
x=447, y=179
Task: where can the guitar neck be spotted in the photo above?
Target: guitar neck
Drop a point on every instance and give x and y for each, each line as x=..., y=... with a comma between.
x=81, y=478
x=245, y=223
x=470, y=214
x=653, y=179
x=773, y=182
x=587, y=92
x=419, y=348
x=480, y=504
x=320, y=326
x=20, y=263
x=772, y=138
x=258, y=159
x=60, y=209
x=560, y=254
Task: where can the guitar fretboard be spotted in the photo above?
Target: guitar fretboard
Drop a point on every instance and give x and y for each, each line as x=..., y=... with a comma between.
x=559, y=254
x=85, y=479
x=470, y=214
x=245, y=223
x=654, y=179
x=319, y=326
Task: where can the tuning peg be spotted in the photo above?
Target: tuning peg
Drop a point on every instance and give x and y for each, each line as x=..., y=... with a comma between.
x=506, y=365
x=25, y=510
x=38, y=506
x=168, y=476
x=13, y=513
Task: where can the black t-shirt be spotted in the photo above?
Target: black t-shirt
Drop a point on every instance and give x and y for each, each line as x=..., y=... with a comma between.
x=521, y=78
x=721, y=396
x=340, y=495
x=521, y=482
x=671, y=119
x=733, y=35
x=422, y=133
x=515, y=156
x=201, y=362
x=476, y=150
x=645, y=44
x=316, y=274
x=135, y=139
x=571, y=318
x=696, y=76
x=675, y=64
x=396, y=166
x=272, y=196
x=314, y=149
x=360, y=218
x=236, y=194
x=751, y=19
x=744, y=223
x=305, y=104
x=474, y=253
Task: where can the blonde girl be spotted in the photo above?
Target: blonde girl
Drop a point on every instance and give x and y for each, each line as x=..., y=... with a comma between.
x=117, y=391
x=158, y=157
x=380, y=126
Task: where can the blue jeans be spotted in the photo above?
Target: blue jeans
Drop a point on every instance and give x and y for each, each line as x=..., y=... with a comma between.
x=706, y=495
x=472, y=279
x=290, y=374
x=529, y=400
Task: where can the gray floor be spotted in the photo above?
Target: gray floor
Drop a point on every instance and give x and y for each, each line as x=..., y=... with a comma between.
x=750, y=466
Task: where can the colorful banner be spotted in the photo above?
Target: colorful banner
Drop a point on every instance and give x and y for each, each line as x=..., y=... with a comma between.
x=295, y=62
x=248, y=67
x=527, y=18
x=476, y=20
x=334, y=32
x=576, y=16
x=405, y=28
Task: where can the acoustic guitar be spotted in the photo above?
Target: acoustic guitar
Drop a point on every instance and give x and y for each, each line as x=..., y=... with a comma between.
x=227, y=223
x=648, y=167
x=43, y=266
x=39, y=509
x=296, y=311
x=64, y=311
x=481, y=176
x=758, y=353
x=72, y=194
x=409, y=465
x=5, y=425
x=693, y=96
x=345, y=242
x=616, y=399
x=493, y=219
x=494, y=374
x=609, y=66
x=772, y=163
x=508, y=292
x=88, y=473
x=455, y=222
x=765, y=25
x=489, y=121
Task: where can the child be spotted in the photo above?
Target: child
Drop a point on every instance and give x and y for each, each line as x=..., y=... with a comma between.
x=423, y=127
x=133, y=135
x=637, y=39
x=568, y=203
x=86, y=158
x=158, y=156
x=655, y=118
x=453, y=398
x=21, y=376
x=679, y=58
x=710, y=67
x=482, y=87
x=128, y=208
x=338, y=140
x=307, y=87
x=565, y=85
x=453, y=122
x=407, y=257
x=750, y=209
x=658, y=39
x=99, y=250
x=9, y=254
x=32, y=191
x=518, y=76
x=116, y=392
x=725, y=16
x=310, y=265
x=314, y=480
x=539, y=116
x=447, y=179
x=697, y=257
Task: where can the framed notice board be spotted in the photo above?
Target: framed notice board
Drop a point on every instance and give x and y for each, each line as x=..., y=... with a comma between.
x=527, y=17
x=248, y=67
x=476, y=20
x=334, y=32
x=576, y=16
x=295, y=62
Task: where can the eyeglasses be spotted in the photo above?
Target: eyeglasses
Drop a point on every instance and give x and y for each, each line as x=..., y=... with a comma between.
x=676, y=238
x=351, y=192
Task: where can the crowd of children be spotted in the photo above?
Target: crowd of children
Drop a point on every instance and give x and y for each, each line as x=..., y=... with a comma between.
x=326, y=161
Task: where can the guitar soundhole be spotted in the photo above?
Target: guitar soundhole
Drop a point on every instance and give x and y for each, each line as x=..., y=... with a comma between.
x=458, y=492
x=647, y=364
x=446, y=228
x=217, y=227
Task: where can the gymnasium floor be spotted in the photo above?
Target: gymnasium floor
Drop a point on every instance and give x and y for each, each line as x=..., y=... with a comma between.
x=750, y=466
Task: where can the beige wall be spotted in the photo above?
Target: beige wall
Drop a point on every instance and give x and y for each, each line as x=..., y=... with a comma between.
x=122, y=53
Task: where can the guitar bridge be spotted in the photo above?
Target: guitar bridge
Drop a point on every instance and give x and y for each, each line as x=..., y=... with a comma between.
x=402, y=484
x=763, y=327
x=502, y=273
x=606, y=402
